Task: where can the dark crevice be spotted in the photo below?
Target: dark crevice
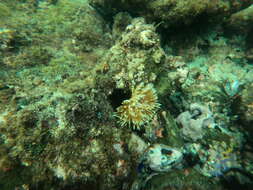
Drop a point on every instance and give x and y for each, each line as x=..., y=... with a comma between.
x=118, y=96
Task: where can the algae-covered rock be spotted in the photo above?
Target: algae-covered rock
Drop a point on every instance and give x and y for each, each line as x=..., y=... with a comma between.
x=242, y=20
x=36, y=35
x=170, y=12
x=245, y=109
x=73, y=75
x=65, y=133
x=120, y=22
x=4, y=10
x=52, y=121
x=136, y=56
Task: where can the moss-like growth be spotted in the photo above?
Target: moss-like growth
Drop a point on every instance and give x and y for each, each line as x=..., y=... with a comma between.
x=4, y=10
x=37, y=36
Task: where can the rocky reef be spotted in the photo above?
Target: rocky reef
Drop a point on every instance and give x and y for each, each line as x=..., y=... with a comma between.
x=126, y=95
x=171, y=12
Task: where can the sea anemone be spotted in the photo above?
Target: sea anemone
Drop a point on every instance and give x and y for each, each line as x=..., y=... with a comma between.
x=140, y=108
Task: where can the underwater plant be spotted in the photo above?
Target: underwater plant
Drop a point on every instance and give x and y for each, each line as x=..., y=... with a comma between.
x=140, y=108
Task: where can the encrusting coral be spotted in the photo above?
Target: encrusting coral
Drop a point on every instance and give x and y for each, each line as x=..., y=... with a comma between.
x=135, y=57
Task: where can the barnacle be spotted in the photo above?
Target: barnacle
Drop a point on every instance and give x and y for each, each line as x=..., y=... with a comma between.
x=140, y=108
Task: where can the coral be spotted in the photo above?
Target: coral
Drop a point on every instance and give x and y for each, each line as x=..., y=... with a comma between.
x=215, y=78
x=68, y=67
x=66, y=140
x=135, y=56
x=195, y=121
x=220, y=160
x=140, y=108
x=161, y=158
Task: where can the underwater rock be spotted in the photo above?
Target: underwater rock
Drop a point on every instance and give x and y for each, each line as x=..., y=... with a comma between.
x=64, y=73
x=137, y=146
x=158, y=158
x=170, y=12
x=56, y=129
x=216, y=156
x=242, y=20
x=245, y=109
x=194, y=121
x=120, y=22
x=249, y=54
x=6, y=35
x=162, y=158
x=82, y=31
x=232, y=88
x=5, y=10
x=136, y=56
x=220, y=160
x=217, y=81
